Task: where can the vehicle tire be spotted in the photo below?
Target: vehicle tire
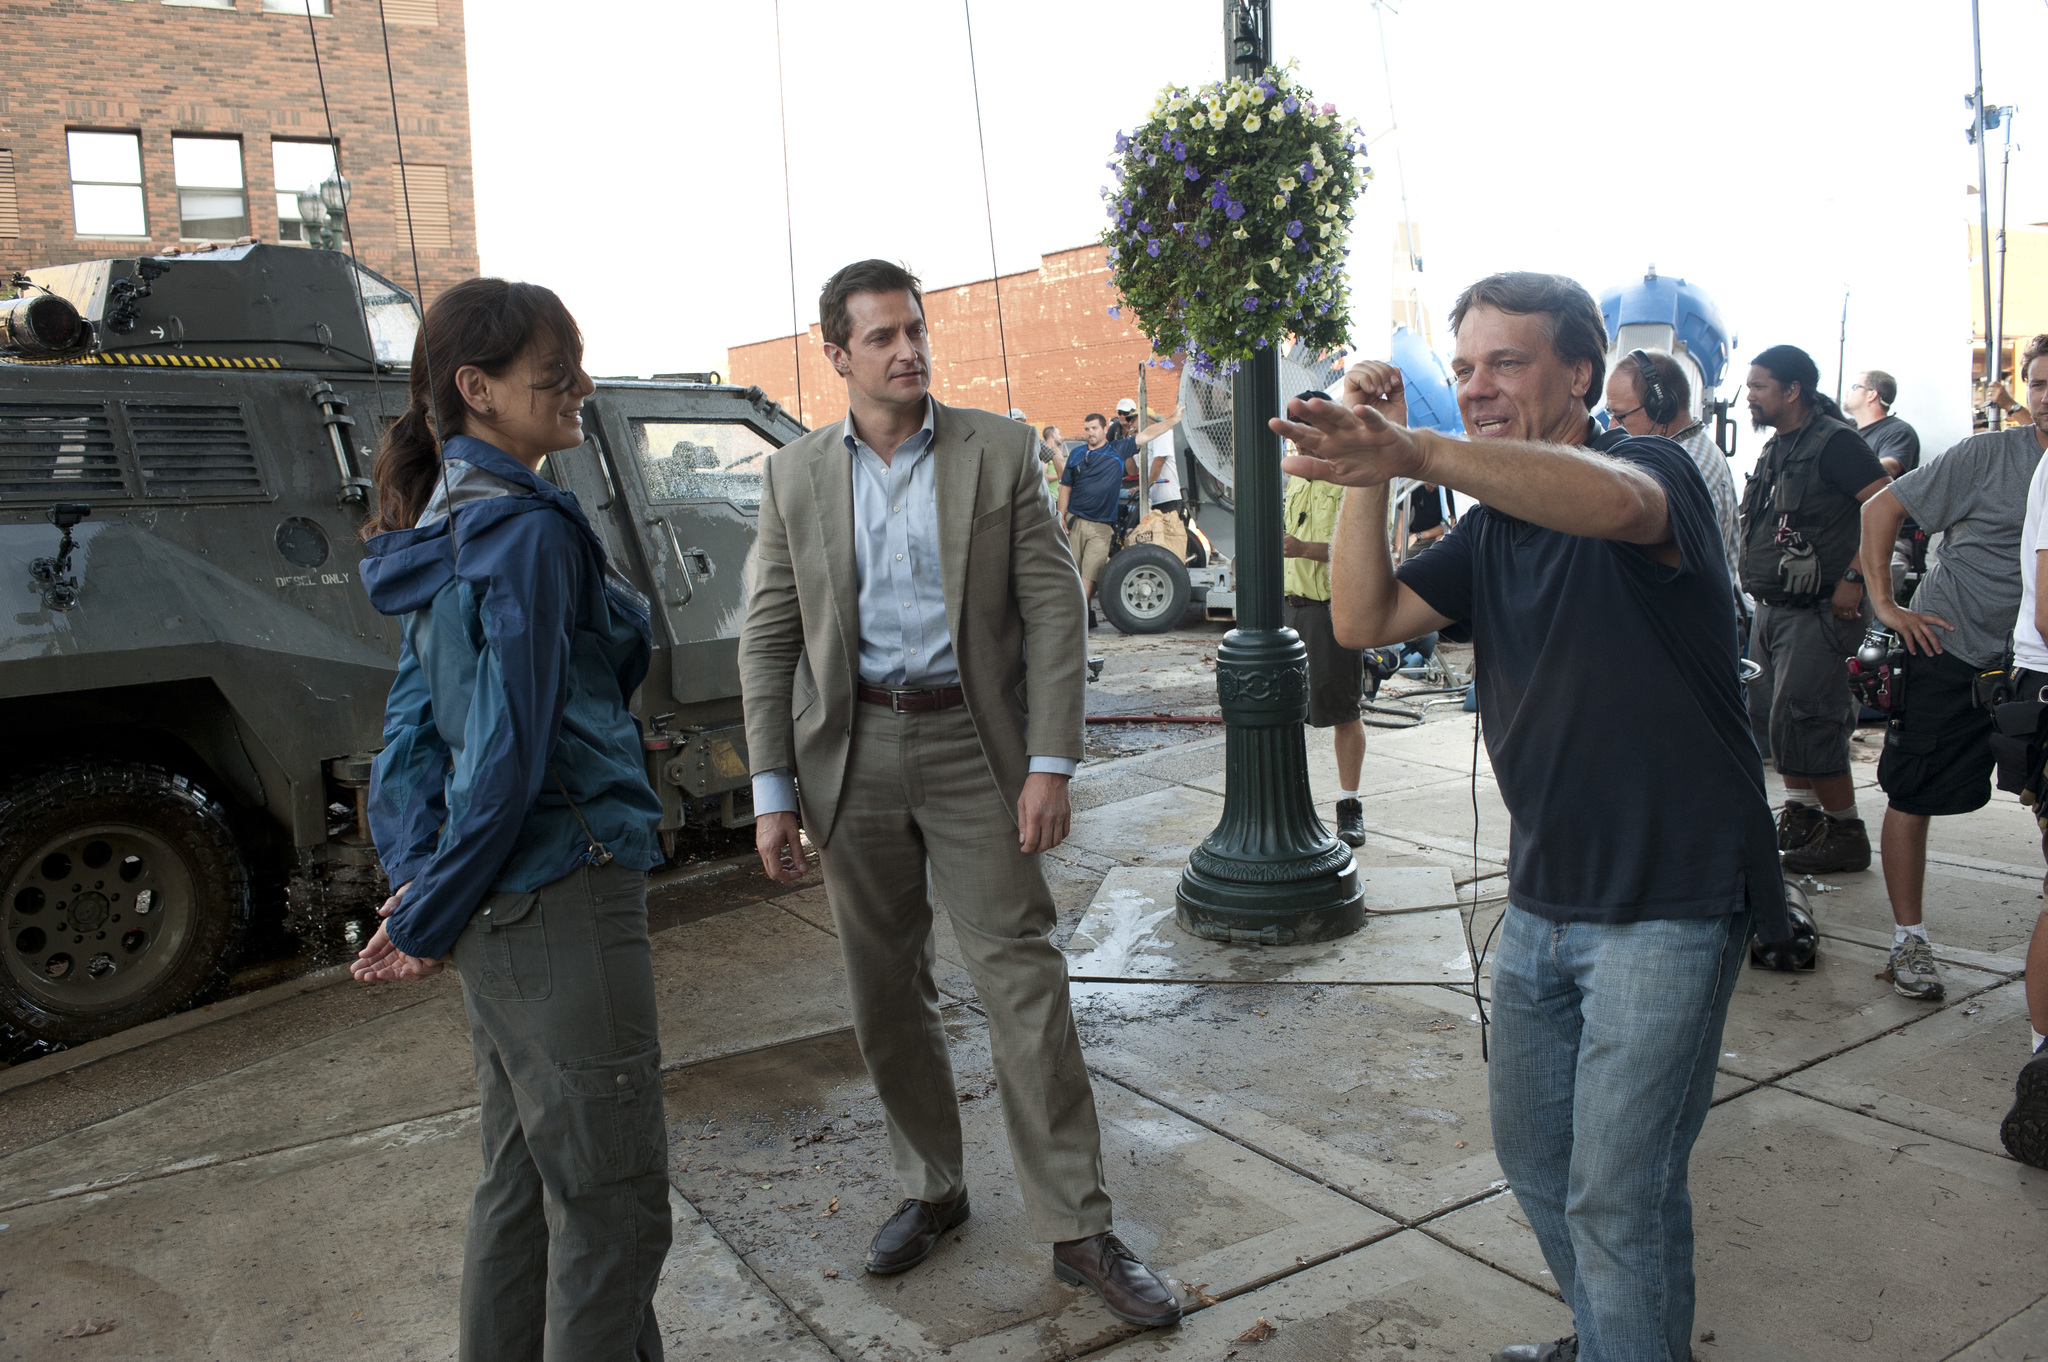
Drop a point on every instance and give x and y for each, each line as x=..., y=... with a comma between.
x=125, y=897
x=1145, y=590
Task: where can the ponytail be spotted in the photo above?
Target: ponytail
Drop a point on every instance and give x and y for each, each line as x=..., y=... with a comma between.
x=480, y=323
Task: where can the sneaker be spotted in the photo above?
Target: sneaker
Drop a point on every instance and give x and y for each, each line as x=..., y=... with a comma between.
x=2025, y=1128
x=1351, y=822
x=1912, y=971
x=1840, y=844
x=1797, y=824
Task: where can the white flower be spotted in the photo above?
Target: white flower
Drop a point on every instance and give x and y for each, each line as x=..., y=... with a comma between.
x=1255, y=95
x=1197, y=120
x=1279, y=200
x=1172, y=124
x=1251, y=123
x=1235, y=102
x=1323, y=230
x=1240, y=234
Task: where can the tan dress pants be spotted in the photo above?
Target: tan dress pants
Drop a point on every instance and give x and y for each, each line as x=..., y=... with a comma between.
x=918, y=790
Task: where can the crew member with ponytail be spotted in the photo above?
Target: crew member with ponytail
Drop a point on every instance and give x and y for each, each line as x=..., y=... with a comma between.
x=511, y=808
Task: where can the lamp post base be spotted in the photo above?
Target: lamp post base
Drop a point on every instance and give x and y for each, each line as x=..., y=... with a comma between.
x=1271, y=873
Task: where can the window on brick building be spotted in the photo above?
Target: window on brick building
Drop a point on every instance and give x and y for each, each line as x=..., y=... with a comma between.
x=106, y=184
x=297, y=166
x=211, y=203
x=322, y=8
x=202, y=4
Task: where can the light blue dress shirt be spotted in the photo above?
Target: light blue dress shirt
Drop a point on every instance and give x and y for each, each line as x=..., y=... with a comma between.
x=904, y=638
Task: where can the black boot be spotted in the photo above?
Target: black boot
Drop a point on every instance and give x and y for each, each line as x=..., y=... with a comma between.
x=1841, y=844
x=1351, y=822
x=1797, y=824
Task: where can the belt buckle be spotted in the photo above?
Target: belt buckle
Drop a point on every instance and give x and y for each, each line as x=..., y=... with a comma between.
x=896, y=702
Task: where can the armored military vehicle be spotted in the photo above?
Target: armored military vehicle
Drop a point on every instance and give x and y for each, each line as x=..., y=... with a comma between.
x=192, y=681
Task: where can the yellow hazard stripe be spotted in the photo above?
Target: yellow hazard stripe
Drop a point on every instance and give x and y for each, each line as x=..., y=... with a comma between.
x=174, y=361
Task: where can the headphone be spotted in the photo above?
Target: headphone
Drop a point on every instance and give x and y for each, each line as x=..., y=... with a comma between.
x=1658, y=403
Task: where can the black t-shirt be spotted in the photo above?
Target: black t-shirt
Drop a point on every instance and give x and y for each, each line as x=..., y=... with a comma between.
x=1613, y=714
x=1426, y=508
x=1848, y=466
x=1889, y=437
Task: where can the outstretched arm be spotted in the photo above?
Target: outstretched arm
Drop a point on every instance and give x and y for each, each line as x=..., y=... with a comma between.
x=1574, y=491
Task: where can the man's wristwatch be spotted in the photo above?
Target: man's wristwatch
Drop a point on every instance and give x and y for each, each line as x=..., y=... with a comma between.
x=1853, y=575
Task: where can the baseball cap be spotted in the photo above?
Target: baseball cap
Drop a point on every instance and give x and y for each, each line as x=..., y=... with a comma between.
x=1017, y=414
x=1126, y=404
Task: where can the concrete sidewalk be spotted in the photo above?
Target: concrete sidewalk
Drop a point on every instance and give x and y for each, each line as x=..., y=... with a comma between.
x=1299, y=1142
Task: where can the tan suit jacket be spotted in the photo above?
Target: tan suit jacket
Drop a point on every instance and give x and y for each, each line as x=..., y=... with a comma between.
x=1014, y=606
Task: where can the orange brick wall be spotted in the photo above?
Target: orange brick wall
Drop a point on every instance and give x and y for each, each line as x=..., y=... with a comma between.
x=1068, y=356
x=142, y=66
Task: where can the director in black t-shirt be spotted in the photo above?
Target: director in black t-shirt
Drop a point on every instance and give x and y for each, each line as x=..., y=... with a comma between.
x=1594, y=584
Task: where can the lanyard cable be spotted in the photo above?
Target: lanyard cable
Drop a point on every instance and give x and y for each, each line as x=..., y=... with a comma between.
x=988, y=208
x=796, y=352
x=348, y=236
x=419, y=290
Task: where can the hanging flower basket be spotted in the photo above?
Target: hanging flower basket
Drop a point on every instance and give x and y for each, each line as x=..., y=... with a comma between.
x=1230, y=215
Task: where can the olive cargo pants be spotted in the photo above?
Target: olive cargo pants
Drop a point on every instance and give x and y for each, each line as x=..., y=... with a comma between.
x=918, y=788
x=570, y=1222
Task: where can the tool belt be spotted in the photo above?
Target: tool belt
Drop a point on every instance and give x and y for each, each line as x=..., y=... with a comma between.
x=919, y=701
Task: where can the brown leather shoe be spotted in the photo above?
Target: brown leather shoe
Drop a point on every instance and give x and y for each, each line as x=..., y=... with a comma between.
x=908, y=1237
x=1133, y=1292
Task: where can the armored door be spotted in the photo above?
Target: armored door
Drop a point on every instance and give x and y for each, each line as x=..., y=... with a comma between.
x=692, y=469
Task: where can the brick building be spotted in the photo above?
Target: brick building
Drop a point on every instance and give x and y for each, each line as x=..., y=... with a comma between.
x=133, y=126
x=1068, y=356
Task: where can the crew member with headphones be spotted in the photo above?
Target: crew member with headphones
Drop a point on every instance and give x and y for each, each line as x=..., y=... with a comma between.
x=1649, y=394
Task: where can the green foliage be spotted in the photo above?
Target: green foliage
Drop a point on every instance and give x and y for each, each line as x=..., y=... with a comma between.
x=1230, y=219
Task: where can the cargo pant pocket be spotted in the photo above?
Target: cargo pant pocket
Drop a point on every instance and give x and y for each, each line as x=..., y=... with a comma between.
x=612, y=1122
x=503, y=953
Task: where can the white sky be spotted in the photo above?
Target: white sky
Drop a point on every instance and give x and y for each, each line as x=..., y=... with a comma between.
x=1772, y=151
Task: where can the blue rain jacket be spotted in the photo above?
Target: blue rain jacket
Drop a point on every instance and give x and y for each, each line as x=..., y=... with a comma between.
x=521, y=652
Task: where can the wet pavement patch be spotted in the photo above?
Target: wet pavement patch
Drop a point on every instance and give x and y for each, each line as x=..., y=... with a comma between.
x=779, y=1146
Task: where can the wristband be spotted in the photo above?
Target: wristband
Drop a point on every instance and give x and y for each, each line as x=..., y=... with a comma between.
x=1853, y=575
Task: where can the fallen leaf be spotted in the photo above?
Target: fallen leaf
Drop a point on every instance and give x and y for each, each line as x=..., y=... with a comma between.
x=833, y=1209
x=1258, y=1333
x=831, y=1272
x=764, y=1186
x=1459, y=1145
x=89, y=1328
x=1707, y=1336
x=356, y=1316
x=1201, y=1294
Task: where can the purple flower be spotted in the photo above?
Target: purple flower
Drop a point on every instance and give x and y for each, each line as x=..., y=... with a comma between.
x=1145, y=226
x=1151, y=160
x=1180, y=153
x=1234, y=210
x=1251, y=305
x=1152, y=249
x=1201, y=238
x=1290, y=104
x=1294, y=227
x=1191, y=172
x=1260, y=344
x=1307, y=172
x=1116, y=312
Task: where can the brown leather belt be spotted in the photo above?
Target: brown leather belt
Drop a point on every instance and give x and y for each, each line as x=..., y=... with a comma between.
x=913, y=701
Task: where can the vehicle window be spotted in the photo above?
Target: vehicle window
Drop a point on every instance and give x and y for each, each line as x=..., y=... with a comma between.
x=702, y=461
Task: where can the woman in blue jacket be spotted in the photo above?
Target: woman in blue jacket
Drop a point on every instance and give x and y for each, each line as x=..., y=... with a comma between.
x=511, y=807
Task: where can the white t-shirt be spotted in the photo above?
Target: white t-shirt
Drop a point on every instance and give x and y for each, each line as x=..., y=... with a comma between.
x=2029, y=650
x=1167, y=486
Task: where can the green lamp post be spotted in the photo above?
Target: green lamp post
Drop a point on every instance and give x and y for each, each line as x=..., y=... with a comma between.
x=1271, y=873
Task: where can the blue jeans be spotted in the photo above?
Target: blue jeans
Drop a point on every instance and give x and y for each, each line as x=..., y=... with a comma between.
x=1604, y=1044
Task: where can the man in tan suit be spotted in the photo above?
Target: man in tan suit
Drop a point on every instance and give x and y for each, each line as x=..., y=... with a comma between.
x=912, y=657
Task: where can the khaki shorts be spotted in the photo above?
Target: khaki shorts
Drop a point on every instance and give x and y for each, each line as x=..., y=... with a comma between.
x=1088, y=541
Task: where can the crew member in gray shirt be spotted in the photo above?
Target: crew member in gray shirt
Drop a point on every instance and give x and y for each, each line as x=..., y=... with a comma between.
x=1937, y=754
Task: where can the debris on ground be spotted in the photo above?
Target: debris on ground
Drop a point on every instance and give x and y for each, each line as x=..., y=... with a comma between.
x=89, y=1328
x=1258, y=1333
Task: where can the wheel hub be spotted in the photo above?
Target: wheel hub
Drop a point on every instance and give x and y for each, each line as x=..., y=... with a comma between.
x=96, y=916
x=1146, y=592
